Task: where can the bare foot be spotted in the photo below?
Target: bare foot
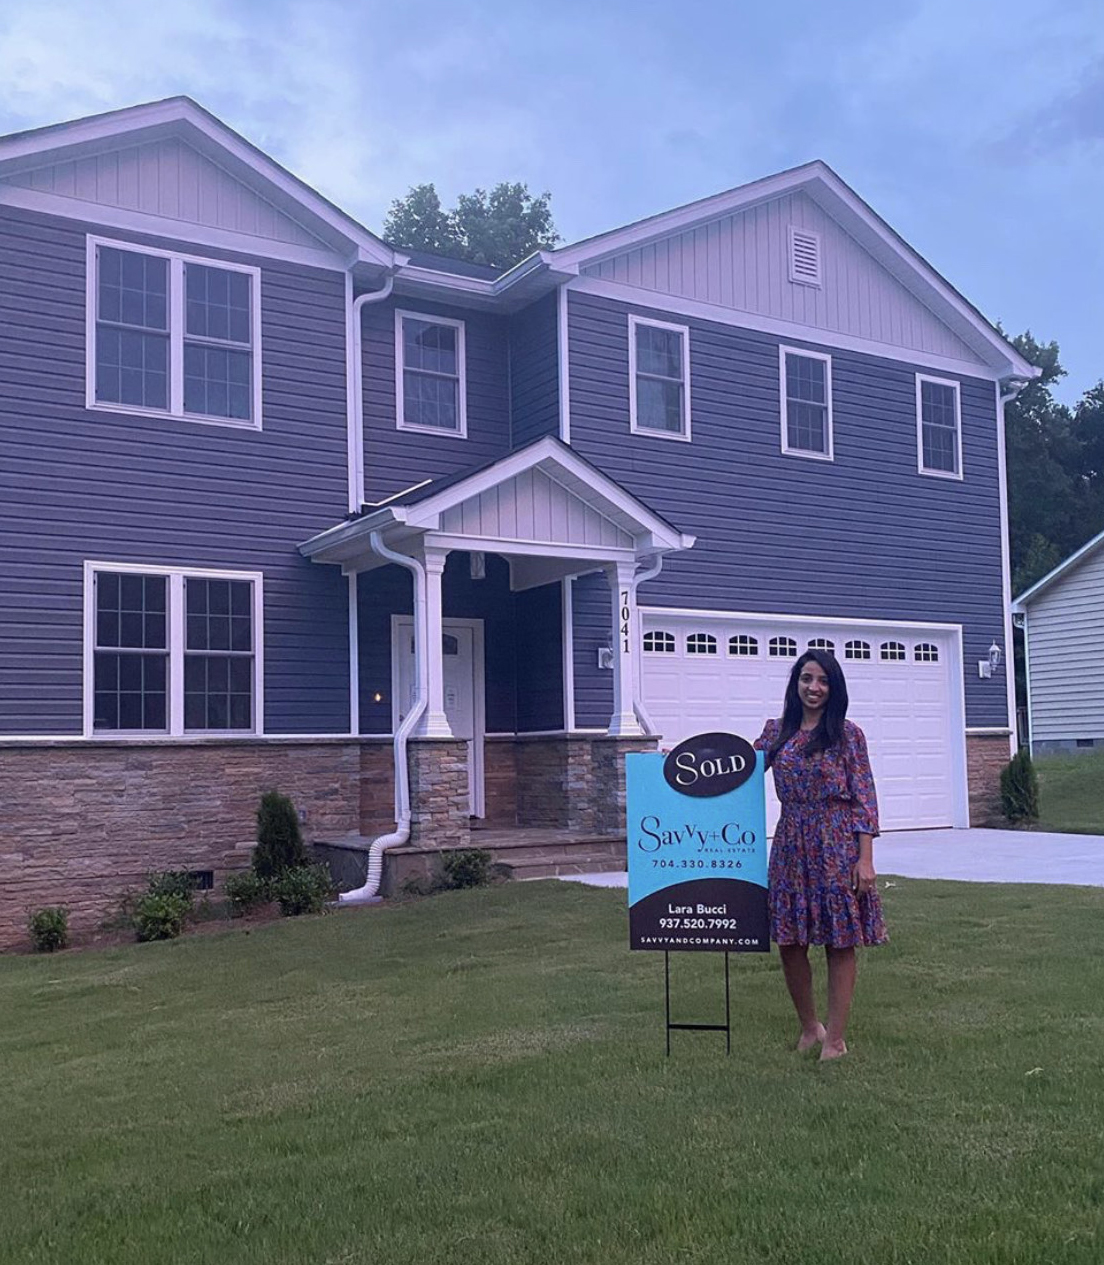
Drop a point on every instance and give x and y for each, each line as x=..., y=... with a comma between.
x=832, y=1050
x=808, y=1039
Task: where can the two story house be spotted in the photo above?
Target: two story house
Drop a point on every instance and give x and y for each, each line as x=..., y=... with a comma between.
x=430, y=546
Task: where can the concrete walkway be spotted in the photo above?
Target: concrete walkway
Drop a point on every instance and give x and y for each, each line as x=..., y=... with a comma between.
x=972, y=856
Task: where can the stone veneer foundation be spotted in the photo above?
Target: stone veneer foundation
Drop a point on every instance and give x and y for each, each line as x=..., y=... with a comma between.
x=986, y=755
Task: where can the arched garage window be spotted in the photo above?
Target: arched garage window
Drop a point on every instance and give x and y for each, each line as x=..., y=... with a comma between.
x=659, y=643
x=925, y=652
x=857, y=650
x=822, y=643
x=782, y=648
x=742, y=645
x=893, y=652
x=701, y=643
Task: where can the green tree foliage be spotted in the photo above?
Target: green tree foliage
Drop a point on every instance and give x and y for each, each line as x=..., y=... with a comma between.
x=1055, y=468
x=279, y=839
x=499, y=227
x=1019, y=788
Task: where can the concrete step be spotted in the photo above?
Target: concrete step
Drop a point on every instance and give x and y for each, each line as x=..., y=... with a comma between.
x=613, y=849
x=551, y=866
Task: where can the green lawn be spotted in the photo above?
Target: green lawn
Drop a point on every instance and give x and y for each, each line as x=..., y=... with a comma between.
x=1071, y=793
x=479, y=1078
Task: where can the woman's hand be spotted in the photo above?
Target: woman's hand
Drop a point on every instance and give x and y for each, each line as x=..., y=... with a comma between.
x=863, y=878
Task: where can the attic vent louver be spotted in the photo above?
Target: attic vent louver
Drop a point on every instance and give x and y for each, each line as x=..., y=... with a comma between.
x=804, y=257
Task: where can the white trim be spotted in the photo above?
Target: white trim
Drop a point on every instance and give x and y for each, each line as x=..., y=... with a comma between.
x=563, y=332
x=783, y=393
x=1027, y=686
x=1006, y=575
x=675, y=304
x=401, y=624
x=175, y=649
x=402, y=314
x=988, y=731
x=354, y=436
x=354, y=655
x=814, y=239
x=1020, y=604
x=829, y=620
x=568, y=650
x=958, y=473
x=177, y=260
x=683, y=332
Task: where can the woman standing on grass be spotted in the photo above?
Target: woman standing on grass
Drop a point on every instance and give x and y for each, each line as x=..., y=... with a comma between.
x=821, y=879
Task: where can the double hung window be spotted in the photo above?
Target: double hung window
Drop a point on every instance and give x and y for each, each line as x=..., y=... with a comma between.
x=806, y=391
x=939, y=427
x=430, y=386
x=172, y=651
x=168, y=334
x=659, y=378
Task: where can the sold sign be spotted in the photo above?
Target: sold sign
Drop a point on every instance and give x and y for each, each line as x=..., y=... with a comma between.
x=709, y=764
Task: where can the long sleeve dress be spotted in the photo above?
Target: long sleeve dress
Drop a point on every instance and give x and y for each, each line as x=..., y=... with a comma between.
x=827, y=799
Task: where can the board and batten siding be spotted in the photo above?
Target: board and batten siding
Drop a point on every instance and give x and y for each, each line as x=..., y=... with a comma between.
x=394, y=459
x=741, y=262
x=863, y=536
x=1065, y=629
x=534, y=373
x=79, y=484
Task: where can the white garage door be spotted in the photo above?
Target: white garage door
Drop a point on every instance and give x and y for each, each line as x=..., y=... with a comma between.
x=700, y=672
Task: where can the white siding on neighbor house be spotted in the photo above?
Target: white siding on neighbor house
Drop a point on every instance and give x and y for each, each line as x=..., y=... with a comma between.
x=531, y=506
x=1065, y=641
x=171, y=179
x=742, y=262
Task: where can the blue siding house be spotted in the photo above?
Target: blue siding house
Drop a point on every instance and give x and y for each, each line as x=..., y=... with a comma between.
x=430, y=546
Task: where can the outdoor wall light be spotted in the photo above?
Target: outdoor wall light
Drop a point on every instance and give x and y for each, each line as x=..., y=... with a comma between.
x=377, y=697
x=987, y=666
x=605, y=657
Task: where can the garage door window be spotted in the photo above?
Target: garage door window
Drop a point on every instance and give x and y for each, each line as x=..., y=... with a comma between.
x=925, y=652
x=893, y=652
x=857, y=650
x=822, y=643
x=701, y=643
x=783, y=648
x=659, y=643
x=743, y=646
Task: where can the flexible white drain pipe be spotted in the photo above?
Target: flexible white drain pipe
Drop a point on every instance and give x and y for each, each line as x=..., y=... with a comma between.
x=369, y=891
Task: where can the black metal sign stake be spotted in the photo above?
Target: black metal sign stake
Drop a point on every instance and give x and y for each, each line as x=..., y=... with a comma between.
x=725, y=1027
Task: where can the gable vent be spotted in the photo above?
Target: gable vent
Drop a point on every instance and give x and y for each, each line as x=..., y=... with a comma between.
x=804, y=257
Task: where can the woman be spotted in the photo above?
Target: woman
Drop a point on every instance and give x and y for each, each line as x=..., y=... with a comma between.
x=822, y=886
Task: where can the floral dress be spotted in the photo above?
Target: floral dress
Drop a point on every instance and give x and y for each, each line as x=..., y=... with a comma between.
x=827, y=801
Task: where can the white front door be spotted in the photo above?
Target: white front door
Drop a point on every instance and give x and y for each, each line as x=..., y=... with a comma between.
x=461, y=653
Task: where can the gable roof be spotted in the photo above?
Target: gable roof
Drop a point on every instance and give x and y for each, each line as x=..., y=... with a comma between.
x=1062, y=569
x=181, y=118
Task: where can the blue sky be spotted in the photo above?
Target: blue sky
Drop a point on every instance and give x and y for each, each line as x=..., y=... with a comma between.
x=975, y=127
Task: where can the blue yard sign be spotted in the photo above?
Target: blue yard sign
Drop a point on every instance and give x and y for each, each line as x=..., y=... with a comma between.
x=697, y=847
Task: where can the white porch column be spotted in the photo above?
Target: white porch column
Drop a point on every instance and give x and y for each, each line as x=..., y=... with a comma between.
x=434, y=723
x=623, y=722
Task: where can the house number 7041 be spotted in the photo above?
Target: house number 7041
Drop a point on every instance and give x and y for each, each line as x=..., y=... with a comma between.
x=625, y=621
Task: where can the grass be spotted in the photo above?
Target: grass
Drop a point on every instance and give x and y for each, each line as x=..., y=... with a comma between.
x=479, y=1078
x=1071, y=798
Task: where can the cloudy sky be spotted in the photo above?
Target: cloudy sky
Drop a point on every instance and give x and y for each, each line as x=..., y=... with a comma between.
x=976, y=127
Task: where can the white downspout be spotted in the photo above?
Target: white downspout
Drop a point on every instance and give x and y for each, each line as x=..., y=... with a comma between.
x=646, y=722
x=1005, y=396
x=354, y=375
x=369, y=891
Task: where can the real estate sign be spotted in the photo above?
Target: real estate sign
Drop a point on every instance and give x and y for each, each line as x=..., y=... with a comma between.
x=697, y=847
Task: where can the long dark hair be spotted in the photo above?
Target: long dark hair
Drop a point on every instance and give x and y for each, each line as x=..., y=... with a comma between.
x=829, y=729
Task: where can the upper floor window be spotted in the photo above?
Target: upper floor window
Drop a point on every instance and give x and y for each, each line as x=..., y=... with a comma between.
x=172, y=651
x=939, y=426
x=806, y=393
x=170, y=334
x=431, y=385
x=659, y=378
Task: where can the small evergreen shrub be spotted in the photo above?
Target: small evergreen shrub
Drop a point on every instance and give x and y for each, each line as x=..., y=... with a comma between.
x=160, y=917
x=245, y=892
x=279, y=839
x=1019, y=788
x=466, y=867
x=304, y=890
x=49, y=928
x=172, y=883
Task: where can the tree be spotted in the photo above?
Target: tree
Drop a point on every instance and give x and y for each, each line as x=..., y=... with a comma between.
x=499, y=228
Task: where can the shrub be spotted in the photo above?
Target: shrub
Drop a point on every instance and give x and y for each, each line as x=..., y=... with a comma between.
x=1019, y=788
x=50, y=928
x=245, y=892
x=466, y=867
x=172, y=883
x=160, y=917
x=304, y=890
x=279, y=839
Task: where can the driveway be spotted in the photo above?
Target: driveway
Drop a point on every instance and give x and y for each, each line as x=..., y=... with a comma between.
x=973, y=856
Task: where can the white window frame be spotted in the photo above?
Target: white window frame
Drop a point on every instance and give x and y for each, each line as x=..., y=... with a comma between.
x=462, y=374
x=177, y=261
x=783, y=392
x=177, y=643
x=683, y=435
x=957, y=387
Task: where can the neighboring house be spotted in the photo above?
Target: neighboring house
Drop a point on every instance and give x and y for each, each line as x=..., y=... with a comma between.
x=271, y=484
x=1062, y=616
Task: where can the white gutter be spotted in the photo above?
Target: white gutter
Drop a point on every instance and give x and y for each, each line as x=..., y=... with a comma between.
x=1013, y=387
x=649, y=573
x=369, y=890
x=354, y=386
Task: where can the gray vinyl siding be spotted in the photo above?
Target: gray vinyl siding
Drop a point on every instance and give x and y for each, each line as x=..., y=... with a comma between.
x=534, y=372
x=1065, y=628
x=77, y=484
x=592, y=620
x=539, y=625
x=396, y=459
x=865, y=536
